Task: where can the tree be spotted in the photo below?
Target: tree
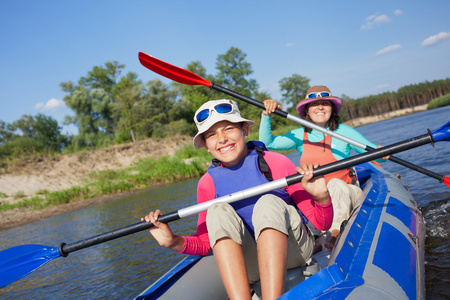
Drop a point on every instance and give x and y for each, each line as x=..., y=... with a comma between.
x=6, y=133
x=233, y=70
x=43, y=130
x=158, y=100
x=127, y=94
x=293, y=90
x=233, y=73
x=93, y=104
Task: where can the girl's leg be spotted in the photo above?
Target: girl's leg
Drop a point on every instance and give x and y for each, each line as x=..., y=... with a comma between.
x=234, y=250
x=282, y=241
x=272, y=258
x=231, y=264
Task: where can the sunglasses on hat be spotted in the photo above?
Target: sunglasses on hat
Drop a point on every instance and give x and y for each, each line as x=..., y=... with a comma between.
x=318, y=95
x=223, y=108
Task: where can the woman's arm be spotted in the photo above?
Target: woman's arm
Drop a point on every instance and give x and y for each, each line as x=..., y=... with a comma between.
x=287, y=141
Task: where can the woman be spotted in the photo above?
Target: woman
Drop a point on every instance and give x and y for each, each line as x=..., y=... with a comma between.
x=260, y=237
x=322, y=109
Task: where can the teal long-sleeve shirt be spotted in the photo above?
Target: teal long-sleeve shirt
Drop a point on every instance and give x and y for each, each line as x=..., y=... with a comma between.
x=294, y=139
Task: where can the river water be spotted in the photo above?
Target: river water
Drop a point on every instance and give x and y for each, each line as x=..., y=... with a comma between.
x=122, y=268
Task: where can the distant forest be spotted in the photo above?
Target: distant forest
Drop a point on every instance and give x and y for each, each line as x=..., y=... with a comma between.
x=407, y=96
x=111, y=108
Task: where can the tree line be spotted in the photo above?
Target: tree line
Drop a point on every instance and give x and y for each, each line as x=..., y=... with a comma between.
x=407, y=96
x=111, y=108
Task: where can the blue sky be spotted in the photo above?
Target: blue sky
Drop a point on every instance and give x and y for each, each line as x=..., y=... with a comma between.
x=356, y=48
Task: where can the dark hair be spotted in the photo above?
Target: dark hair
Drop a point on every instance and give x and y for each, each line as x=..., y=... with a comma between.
x=333, y=122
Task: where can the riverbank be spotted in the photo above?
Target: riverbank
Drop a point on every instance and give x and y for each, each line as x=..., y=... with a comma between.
x=63, y=172
x=389, y=115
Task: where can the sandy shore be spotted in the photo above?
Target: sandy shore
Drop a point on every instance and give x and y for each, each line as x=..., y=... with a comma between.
x=69, y=170
x=58, y=173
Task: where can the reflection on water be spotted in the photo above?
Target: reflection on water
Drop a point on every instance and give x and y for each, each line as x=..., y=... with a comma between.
x=122, y=268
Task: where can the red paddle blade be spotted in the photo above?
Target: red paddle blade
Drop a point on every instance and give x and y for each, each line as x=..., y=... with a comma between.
x=170, y=71
x=447, y=181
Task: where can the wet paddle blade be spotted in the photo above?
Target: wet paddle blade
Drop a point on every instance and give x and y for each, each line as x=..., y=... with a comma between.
x=170, y=71
x=19, y=261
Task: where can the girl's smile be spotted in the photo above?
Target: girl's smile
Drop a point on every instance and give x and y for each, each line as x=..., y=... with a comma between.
x=226, y=142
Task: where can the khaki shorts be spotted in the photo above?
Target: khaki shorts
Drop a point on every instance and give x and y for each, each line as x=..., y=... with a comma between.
x=345, y=197
x=269, y=212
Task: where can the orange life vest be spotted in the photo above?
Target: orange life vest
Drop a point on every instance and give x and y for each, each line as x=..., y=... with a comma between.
x=320, y=152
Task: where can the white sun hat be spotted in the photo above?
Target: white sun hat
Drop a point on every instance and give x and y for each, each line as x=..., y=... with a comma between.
x=213, y=112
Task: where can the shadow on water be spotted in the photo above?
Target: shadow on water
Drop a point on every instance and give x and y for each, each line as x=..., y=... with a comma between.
x=122, y=268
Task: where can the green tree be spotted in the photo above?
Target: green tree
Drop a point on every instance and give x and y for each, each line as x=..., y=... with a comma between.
x=233, y=72
x=127, y=95
x=93, y=105
x=6, y=133
x=293, y=90
x=43, y=131
x=233, y=75
x=158, y=100
x=49, y=133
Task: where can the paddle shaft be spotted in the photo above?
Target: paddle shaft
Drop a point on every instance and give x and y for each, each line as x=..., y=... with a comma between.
x=65, y=249
x=326, y=131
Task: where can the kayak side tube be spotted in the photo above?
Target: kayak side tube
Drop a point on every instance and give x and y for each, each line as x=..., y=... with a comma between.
x=380, y=252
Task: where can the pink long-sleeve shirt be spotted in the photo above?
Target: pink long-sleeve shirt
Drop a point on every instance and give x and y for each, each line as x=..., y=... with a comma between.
x=321, y=216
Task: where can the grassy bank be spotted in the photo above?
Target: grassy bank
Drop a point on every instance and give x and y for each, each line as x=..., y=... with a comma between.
x=186, y=163
x=439, y=102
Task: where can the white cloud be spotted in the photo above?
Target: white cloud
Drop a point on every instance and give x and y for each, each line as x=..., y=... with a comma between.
x=289, y=44
x=398, y=12
x=52, y=104
x=388, y=49
x=374, y=20
x=434, y=39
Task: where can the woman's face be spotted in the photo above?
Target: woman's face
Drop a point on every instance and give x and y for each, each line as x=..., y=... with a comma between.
x=320, y=111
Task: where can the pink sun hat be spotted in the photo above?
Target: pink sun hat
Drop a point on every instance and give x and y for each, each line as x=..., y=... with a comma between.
x=318, y=92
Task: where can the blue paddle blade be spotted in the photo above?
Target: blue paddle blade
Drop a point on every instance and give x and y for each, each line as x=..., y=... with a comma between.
x=442, y=133
x=19, y=261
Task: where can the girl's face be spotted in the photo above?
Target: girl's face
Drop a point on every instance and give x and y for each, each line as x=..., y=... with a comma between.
x=320, y=111
x=226, y=142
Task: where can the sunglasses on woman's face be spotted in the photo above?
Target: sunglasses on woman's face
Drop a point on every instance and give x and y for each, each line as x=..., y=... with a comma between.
x=223, y=108
x=318, y=95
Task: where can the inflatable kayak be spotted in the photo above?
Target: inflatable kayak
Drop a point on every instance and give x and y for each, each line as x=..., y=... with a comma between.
x=378, y=255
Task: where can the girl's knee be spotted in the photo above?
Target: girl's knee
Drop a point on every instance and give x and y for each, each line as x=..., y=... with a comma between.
x=219, y=211
x=269, y=202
